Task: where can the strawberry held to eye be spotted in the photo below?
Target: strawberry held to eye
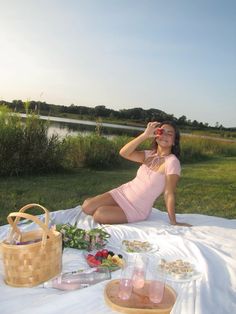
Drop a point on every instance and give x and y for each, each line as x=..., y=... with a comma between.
x=159, y=131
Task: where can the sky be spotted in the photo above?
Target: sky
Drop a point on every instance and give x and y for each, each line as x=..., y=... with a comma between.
x=178, y=56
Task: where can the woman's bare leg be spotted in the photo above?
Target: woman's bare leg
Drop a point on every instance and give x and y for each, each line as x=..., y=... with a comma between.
x=104, y=209
x=110, y=215
x=90, y=205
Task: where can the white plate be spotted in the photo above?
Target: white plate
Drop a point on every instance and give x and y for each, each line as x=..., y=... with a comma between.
x=196, y=274
x=148, y=247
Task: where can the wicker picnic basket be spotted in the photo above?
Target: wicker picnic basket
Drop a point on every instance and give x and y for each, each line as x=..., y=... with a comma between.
x=39, y=255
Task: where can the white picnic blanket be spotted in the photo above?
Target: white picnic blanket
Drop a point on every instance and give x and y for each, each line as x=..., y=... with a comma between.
x=210, y=244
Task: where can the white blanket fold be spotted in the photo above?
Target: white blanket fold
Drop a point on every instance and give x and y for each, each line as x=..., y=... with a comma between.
x=210, y=244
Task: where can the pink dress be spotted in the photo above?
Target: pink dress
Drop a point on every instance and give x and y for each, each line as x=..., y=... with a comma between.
x=137, y=196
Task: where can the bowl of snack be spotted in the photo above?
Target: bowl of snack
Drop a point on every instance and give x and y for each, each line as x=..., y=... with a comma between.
x=181, y=270
x=105, y=258
x=138, y=246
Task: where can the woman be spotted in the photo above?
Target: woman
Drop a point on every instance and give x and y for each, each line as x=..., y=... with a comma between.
x=159, y=173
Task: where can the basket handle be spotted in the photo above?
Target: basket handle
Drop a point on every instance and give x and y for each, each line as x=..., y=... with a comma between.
x=24, y=208
x=22, y=214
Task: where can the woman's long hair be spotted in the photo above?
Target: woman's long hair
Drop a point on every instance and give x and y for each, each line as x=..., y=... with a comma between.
x=175, y=149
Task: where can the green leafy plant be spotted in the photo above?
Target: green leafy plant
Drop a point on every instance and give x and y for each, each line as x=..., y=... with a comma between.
x=78, y=238
x=25, y=147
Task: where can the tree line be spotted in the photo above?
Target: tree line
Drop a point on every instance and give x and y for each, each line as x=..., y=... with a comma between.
x=138, y=115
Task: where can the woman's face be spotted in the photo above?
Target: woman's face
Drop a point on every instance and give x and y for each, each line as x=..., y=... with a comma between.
x=165, y=135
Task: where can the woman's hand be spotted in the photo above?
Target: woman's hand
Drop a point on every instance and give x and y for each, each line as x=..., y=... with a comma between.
x=184, y=224
x=151, y=129
x=129, y=151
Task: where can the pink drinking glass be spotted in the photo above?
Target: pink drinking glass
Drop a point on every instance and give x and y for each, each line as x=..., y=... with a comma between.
x=139, y=274
x=138, y=278
x=126, y=283
x=157, y=287
x=157, y=280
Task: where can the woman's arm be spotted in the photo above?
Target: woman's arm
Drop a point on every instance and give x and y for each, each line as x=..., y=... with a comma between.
x=129, y=150
x=169, y=196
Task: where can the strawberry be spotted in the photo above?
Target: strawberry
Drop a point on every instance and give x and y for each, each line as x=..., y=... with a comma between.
x=99, y=254
x=104, y=253
x=90, y=257
x=92, y=261
x=159, y=131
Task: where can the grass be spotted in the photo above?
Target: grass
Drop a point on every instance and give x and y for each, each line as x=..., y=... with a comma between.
x=55, y=192
x=205, y=188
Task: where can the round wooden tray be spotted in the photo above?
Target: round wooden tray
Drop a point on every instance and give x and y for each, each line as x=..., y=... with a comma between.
x=139, y=301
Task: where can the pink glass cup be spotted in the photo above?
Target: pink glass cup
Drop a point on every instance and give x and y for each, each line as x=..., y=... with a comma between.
x=125, y=289
x=156, y=290
x=126, y=282
x=138, y=278
x=139, y=274
x=157, y=280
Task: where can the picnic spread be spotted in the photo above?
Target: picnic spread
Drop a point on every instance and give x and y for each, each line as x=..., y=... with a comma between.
x=198, y=263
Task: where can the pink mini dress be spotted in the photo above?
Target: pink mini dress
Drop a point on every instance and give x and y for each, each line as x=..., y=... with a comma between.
x=137, y=196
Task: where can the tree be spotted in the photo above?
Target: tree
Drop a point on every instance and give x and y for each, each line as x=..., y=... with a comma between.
x=101, y=111
x=182, y=120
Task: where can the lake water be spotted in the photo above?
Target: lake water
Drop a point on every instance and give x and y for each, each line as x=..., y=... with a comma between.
x=65, y=126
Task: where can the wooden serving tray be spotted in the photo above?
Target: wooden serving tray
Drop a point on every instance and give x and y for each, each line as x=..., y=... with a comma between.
x=139, y=301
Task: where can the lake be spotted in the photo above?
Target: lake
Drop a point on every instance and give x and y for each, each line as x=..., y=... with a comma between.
x=65, y=126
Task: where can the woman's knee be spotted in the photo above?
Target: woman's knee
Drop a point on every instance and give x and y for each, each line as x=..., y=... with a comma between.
x=86, y=208
x=98, y=216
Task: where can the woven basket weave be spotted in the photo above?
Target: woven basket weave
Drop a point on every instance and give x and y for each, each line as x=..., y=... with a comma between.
x=28, y=265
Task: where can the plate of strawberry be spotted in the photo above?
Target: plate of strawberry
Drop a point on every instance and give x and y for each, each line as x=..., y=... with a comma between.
x=105, y=258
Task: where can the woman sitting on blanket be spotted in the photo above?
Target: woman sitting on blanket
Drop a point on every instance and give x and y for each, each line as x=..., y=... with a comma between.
x=159, y=173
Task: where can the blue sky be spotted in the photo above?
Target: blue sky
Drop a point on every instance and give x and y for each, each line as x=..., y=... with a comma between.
x=178, y=56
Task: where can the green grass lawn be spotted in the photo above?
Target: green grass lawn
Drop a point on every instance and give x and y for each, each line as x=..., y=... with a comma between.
x=205, y=188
